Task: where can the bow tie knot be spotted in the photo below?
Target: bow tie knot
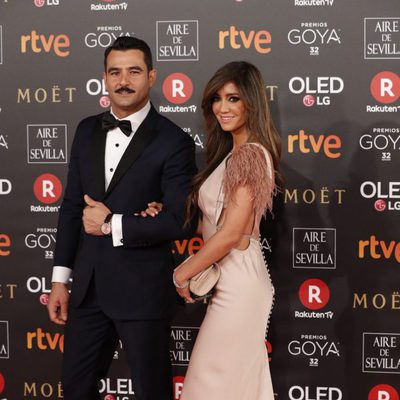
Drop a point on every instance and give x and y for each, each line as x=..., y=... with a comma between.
x=109, y=122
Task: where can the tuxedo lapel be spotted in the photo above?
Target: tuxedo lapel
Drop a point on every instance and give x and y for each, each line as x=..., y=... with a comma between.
x=143, y=136
x=99, y=150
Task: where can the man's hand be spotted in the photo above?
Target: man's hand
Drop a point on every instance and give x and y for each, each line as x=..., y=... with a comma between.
x=58, y=303
x=93, y=216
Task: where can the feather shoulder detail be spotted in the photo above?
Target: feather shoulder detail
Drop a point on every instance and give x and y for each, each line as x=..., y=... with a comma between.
x=248, y=166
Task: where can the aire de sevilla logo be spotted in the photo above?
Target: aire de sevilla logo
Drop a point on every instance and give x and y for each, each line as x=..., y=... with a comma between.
x=385, y=87
x=47, y=188
x=177, y=88
x=314, y=294
x=383, y=392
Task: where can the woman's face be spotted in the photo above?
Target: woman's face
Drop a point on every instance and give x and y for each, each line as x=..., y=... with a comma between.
x=229, y=109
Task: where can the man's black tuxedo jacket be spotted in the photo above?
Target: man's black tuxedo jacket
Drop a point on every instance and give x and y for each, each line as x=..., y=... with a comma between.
x=133, y=281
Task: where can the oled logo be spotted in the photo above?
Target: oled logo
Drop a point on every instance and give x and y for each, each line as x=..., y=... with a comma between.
x=329, y=145
x=178, y=40
x=317, y=393
x=5, y=187
x=59, y=44
x=96, y=87
x=314, y=348
x=47, y=144
x=41, y=3
x=385, y=141
x=314, y=35
x=386, y=196
x=177, y=88
x=377, y=248
x=182, y=342
x=105, y=36
x=383, y=392
x=381, y=353
x=116, y=389
x=5, y=244
x=39, y=285
x=316, y=91
x=314, y=248
x=177, y=383
x=238, y=39
x=4, y=340
x=382, y=38
x=47, y=188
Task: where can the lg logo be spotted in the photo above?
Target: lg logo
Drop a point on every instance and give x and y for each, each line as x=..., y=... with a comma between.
x=5, y=186
x=314, y=294
x=47, y=188
x=177, y=88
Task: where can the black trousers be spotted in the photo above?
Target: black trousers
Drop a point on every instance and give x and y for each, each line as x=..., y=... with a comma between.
x=90, y=339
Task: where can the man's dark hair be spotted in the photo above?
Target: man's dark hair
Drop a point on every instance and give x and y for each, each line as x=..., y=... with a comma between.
x=124, y=43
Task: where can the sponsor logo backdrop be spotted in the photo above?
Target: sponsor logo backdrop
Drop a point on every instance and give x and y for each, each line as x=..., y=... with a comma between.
x=332, y=78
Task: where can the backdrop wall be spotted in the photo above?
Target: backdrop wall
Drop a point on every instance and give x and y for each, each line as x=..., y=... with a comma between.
x=331, y=71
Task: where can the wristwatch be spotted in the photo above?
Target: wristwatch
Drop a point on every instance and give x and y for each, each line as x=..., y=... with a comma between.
x=106, y=225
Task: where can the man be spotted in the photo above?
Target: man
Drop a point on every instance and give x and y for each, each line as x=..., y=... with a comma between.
x=121, y=262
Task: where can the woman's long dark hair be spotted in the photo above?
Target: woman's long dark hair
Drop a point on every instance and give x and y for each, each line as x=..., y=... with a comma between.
x=252, y=92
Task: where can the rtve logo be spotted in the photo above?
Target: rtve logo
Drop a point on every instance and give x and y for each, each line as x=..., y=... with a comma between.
x=37, y=42
x=44, y=340
x=314, y=294
x=177, y=88
x=378, y=248
x=47, y=188
x=383, y=392
x=260, y=40
x=306, y=143
x=5, y=243
x=385, y=87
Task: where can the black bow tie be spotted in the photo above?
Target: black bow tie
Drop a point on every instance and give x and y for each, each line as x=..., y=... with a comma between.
x=109, y=122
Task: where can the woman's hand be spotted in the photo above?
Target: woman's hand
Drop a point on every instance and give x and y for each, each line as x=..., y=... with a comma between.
x=185, y=294
x=153, y=209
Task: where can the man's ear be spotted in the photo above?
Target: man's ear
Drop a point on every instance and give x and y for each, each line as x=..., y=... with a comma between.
x=152, y=77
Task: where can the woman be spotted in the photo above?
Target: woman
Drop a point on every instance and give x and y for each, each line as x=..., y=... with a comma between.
x=229, y=359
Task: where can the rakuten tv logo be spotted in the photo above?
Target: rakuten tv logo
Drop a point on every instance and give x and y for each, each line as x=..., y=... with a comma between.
x=2, y=383
x=177, y=88
x=383, y=392
x=385, y=87
x=237, y=39
x=38, y=43
x=314, y=294
x=47, y=188
x=177, y=383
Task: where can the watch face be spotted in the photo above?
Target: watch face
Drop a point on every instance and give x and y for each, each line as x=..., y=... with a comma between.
x=106, y=228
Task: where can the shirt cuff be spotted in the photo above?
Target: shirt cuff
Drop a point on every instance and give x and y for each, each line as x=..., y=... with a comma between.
x=61, y=274
x=116, y=226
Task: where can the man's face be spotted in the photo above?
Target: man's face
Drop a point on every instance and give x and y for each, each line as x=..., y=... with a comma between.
x=128, y=81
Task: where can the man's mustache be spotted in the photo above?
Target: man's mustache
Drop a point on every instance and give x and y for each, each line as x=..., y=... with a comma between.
x=125, y=89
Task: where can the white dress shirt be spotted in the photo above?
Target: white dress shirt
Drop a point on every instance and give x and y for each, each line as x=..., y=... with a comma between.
x=116, y=144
